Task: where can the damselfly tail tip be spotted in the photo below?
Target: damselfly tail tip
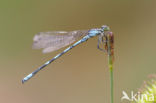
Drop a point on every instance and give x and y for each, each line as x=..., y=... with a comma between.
x=23, y=81
x=27, y=78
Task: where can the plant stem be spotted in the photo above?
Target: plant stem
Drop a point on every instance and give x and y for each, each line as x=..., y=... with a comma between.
x=111, y=77
x=110, y=47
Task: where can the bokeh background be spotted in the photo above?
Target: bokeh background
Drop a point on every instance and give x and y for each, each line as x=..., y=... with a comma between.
x=81, y=75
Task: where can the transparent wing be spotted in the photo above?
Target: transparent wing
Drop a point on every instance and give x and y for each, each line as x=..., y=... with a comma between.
x=54, y=40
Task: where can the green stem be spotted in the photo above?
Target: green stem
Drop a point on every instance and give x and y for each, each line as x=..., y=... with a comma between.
x=110, y=64
x=111, y=79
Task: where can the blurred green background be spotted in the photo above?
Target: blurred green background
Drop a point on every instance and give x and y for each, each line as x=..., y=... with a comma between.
x=81, y=75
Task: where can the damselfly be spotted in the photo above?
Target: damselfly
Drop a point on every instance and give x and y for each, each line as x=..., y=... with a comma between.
x=54, y=40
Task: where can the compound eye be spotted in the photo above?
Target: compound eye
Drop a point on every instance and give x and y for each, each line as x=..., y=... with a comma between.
x=105, y=28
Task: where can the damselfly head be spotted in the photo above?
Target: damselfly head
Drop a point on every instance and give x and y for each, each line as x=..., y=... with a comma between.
x=105, y=28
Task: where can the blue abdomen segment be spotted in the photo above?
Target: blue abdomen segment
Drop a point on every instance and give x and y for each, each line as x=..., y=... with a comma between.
x=93, y=32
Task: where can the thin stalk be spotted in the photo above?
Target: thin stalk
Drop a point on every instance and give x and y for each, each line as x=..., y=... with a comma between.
x=111, y=78
x=110, y=47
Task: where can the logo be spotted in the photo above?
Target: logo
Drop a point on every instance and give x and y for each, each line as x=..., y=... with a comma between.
x=137, y=97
